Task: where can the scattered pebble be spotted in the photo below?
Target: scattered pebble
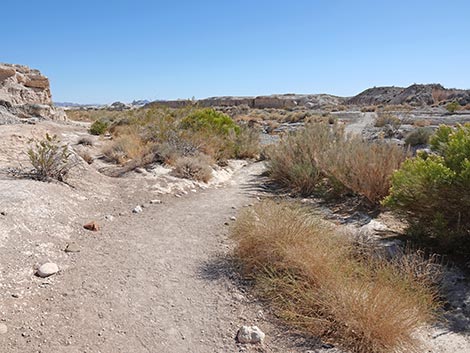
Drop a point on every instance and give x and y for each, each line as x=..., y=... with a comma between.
x=137, y=209
x=93, y=226
x=226, y=223
x=177, y=195
x=47, y=269
x=154, y=202
x=3, y=329
x=72, y=247
x=3, y=213
x=233, y=218
x=109, y=217
x=250, y=334
x=193, y=190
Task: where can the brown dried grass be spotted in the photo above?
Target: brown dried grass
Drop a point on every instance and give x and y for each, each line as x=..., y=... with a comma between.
x=314, y=280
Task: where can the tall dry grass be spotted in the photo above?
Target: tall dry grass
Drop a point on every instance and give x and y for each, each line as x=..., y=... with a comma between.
x=303, y=160
x=315, y=280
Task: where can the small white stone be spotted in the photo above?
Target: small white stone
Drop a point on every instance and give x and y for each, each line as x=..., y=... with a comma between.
x=47, y=269
x=109, y=217
x=250, y=334
x=233, y=218
x=137, y=209
x=154, y=202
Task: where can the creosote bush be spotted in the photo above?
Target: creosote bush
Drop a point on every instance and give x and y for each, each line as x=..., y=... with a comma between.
x=433, y=190
x=323, y=155
x=320, y=282
x=50, y=159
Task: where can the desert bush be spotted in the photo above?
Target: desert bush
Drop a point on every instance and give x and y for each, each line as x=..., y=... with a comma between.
x=387, y=119
x=315, y=281
x=85, y=141
x=433, y=191
x=164, y=135
x=247, y=144
x=50, y=159
x=209, y=120
x=303, y=160
x=369, y=109
x=422, y=122
x=86, y=156
x=453, y=107
x=127, y=147
x=195, y=168
x=99, y=127
x=419, y=136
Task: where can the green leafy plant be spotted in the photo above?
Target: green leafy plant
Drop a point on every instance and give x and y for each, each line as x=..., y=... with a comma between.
x=433, y=191
x=99, y=127
x=453, y=107
x=50, y=159
x=419, y=136
x=210, y=120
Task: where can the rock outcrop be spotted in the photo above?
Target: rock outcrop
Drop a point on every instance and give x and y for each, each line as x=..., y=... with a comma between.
x=415, y=95
x=24, y=94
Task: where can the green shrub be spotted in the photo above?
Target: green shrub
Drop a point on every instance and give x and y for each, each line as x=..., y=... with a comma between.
x=419, y=136
x=99, y=127
x=433, y=191
x=453, y=107
x=210, y=120
x=50, y=159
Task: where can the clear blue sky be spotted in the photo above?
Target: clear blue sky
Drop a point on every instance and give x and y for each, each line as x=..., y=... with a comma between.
x=103, y=51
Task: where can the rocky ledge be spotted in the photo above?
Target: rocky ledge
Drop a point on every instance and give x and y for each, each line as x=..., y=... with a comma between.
x=25, y=94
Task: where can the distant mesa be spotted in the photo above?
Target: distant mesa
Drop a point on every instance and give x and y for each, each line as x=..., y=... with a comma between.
x=25, y=94
x=418, y=95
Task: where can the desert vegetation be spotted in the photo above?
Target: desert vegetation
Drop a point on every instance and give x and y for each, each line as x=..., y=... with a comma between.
x=50, y=159
x=325, y=284
x=431, y=190
x=174, y=137
x=322, y=158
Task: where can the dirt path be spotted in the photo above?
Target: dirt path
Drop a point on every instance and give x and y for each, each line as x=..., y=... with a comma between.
x=358, y=126
x=148, y=282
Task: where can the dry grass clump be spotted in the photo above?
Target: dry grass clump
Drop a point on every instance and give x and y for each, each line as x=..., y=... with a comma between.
x=422, y=122
x=85, y=141
x=303, y=161
x=86, y=156
x=195, y=168
x=387, y=119
x=315, y=281
x=127, y=147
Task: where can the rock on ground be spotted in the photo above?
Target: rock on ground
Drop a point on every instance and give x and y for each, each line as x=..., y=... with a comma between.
x=250, y=334
x=47, y=269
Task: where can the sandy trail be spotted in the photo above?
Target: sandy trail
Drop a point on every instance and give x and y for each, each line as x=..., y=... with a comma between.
x=148, y=282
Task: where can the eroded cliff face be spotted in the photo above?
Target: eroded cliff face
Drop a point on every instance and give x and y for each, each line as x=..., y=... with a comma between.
x=24, y=94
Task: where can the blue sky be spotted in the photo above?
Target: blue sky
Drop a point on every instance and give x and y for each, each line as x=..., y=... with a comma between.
x=103, y=51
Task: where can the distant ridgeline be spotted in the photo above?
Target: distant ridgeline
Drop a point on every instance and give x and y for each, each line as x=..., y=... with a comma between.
x=415, y=95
